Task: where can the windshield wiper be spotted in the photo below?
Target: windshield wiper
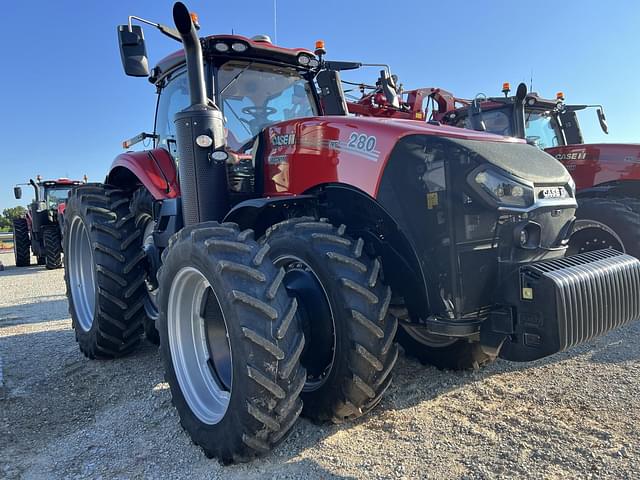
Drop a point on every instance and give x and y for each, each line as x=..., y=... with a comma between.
x=235, y=78
x=238, y=118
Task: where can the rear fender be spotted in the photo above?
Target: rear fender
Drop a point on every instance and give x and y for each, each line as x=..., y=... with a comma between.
x=155, y=169
x=622, y=188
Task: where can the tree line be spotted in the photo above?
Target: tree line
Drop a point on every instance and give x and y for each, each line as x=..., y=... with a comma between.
x=8, y=214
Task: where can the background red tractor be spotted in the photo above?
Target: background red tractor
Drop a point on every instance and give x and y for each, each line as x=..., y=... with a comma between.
x=40, y=231
x=278, y=244
x=607, y=176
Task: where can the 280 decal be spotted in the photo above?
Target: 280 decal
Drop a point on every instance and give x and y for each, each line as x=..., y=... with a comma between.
x=362, y=145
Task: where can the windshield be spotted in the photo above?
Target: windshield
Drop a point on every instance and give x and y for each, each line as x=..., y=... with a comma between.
x=497, y=121
x=540, y=126
x=254, y=95
x=55, y=196
x=540, y=129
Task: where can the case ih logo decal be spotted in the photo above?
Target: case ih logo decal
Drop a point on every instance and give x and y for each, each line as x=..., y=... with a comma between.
x=283, y=140
x=553, y=192
x=572, y=156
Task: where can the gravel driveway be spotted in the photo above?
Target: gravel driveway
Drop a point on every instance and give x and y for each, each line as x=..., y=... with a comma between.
x=575, y=415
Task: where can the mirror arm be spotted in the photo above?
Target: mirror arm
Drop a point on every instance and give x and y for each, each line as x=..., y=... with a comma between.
x=168, y=31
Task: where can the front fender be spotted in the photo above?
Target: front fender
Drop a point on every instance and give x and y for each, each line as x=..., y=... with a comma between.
x=155, y=169
x=260, y=213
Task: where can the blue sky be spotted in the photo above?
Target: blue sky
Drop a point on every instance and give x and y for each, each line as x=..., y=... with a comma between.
x=67, y=105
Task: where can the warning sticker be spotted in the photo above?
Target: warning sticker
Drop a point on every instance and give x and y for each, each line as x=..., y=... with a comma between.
x=432, y=200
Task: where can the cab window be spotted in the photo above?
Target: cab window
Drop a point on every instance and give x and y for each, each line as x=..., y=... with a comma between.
x=540, y=128
x=174, y=97
x=254, y=95
x=496, y=121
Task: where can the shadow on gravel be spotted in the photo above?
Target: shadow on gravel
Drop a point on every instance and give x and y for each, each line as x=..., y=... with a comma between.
x=34, y=312
x=59, y=402
x=11, y=270
x=619, y=347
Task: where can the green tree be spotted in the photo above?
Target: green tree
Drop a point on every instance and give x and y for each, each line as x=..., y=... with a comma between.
x=14, y=212
x=8, y=214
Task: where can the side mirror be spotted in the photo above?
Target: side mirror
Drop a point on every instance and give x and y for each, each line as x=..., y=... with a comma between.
x=17, y=192
x=331, y=93
x=133, y=50
x=340, y=66
x=603, y=121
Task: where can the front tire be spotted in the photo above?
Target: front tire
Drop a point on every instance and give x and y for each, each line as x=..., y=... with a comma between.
x=230, y=342
x=21, y=242
x=344, y=304
x=606, y=223
x=104, y=271
x=52, y=247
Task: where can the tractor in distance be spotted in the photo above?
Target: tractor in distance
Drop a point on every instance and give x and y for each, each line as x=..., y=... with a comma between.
x=607, y=175
x=40, y=230
x=269, y=236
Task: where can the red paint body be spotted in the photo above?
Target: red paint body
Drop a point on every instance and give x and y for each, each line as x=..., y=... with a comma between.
x=155, y=169
x=598, y=163
x=310, y=160
x=320, y=153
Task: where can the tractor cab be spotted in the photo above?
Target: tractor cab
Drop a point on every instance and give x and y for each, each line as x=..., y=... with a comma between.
x=49, y=195
x=547, y=123
x=40, y=231
x=254, y=83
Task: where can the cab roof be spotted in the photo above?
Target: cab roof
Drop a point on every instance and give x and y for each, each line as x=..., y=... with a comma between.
x=59, y=182
x=257, y=49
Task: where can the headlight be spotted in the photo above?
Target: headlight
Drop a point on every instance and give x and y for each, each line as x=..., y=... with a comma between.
x=504, y=190
x=239, y=47
x=304, y=59
x=221, y=47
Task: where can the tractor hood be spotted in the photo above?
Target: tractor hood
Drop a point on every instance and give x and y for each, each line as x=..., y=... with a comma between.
x=301, y=154
x=522, y=160
x=510, y=154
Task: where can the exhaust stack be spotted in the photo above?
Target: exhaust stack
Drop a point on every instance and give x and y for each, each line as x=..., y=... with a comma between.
x=203, y=181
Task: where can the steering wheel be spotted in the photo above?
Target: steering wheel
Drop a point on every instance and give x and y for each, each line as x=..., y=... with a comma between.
x=256, y=112
x=260, y=117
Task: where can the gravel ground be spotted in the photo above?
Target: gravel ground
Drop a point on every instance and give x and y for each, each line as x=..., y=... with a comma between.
x=575, y=415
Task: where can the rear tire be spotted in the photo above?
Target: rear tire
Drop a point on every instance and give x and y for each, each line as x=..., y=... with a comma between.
x=350, y=367
x=230, y=342
x=603, y=223
x=21, y=242
x=457, y=355
x=52, y=247
x=104, y=271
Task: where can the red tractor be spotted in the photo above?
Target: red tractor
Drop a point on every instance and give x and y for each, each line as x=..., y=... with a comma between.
x=607, y=176
x=277, y=243
x=40, y=231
